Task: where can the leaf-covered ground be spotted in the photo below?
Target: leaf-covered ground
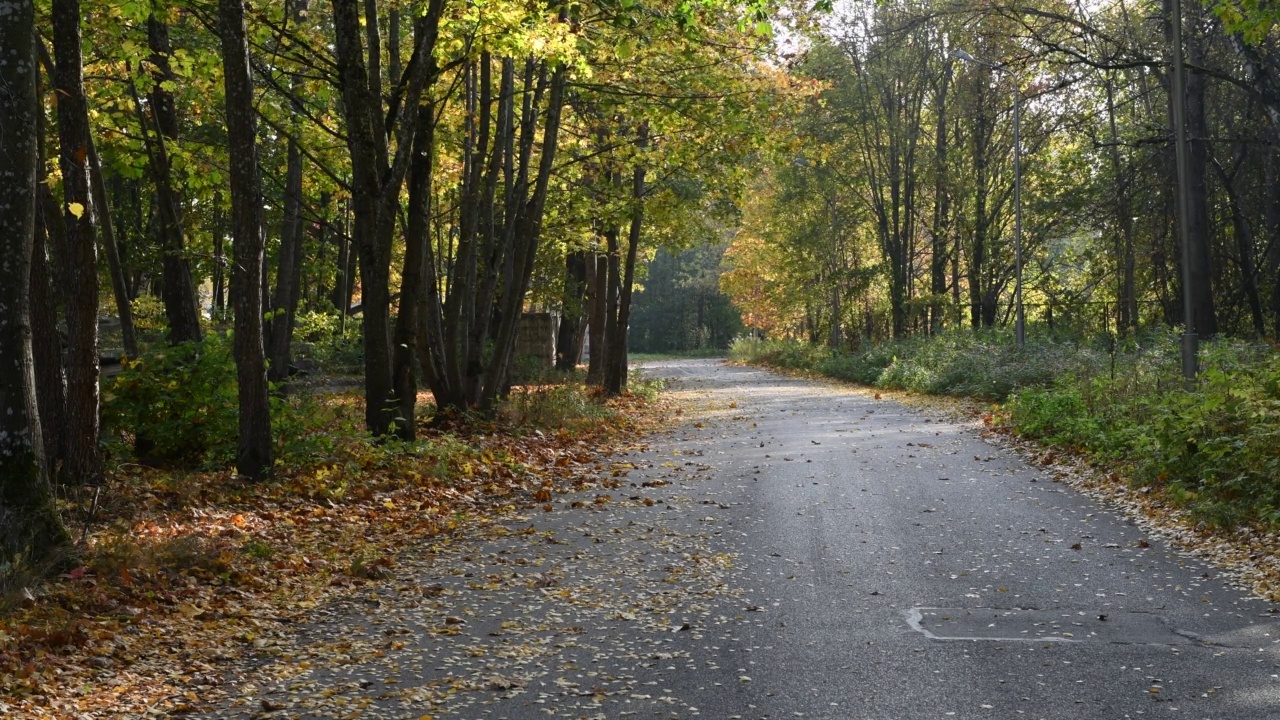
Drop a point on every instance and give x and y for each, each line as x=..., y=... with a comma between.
x=185, y=575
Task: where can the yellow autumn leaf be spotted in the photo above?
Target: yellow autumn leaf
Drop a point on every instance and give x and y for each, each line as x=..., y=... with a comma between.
x=75, y=209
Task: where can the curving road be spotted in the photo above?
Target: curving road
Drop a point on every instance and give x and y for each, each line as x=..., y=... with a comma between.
x=793, y=549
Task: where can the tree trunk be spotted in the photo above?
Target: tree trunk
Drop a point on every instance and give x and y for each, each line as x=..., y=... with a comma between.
x=1204, y=318
x=598, y=292
x=377, y=178
x=613, y=273
x=51, y=387
x=119, y=288
x=572, y=310
x=284, y=303
x=1244, y=244
x=417, y=239
x=178, y=290
x=615, y=377
x=254, y=454
x=941, y=209
x=31, y=532
x=80, y=259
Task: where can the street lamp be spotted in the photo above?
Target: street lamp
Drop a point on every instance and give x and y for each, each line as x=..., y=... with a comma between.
x=1020, y=323
x=1190, y=341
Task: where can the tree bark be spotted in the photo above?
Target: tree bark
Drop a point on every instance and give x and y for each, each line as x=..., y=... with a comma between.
x=254, y=454
x=177, y=288
x=417, y=239
x=572, y=310
x=284, y=303
x=376, y=181
x=598, y=281
x=119, y=288
x=80, y=260
x=615, y=375
x=31, y=532
x=941, y=208
x=51, y=387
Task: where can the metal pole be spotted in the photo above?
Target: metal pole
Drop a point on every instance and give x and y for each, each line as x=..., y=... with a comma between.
x=1020, y=324
x=1190, y=340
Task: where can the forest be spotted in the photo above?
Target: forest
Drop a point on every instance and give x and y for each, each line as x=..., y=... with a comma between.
x=250, y=193
x=893, y=201
x=287, y=252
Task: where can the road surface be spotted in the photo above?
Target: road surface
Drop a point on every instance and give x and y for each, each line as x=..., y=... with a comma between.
x=792, y=549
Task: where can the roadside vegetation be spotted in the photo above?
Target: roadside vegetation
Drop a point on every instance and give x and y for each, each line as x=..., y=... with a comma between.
x=182, y=566
x=1213, y=451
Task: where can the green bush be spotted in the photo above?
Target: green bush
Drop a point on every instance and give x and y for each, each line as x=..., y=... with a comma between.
x=177, y=405
x=321, y=341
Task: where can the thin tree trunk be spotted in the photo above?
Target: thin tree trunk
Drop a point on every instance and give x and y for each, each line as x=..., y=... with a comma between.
x=178, y=290
x=254, y=455
x=615, y=377
x=284, y=303
x=598, y=281
x=51, y=387
x=31, y=532
x=119, y=288
x=1244, y=245
x=572, y=310
x=417, y=240
x=941, y=209
x=80, y=260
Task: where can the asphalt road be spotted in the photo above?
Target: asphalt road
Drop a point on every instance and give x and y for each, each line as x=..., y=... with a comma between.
x=792, y=549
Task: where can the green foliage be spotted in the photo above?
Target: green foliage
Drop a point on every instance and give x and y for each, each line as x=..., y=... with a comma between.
x=555, y=407
x=681, y=307
x=1212, y=449
x=326, y=344
x=985, y=365
x=177, y=404
x=178, y=407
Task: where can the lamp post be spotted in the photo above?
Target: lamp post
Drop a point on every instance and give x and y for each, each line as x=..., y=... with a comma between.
x=1020, y=323
x=1190, y=340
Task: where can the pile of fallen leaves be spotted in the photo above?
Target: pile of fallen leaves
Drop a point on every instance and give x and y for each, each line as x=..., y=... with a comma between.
x=181, y=575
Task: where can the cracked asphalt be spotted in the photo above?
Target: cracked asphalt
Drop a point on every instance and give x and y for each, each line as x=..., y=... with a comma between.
x=790, y=549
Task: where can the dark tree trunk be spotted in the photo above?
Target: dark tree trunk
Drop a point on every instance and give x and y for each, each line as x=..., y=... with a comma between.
x=417, y=239
x=1244, y=244
x=219, y=261
x=1126, y=290
x=572, y=311
x=178, y=290
x=51, y=387
x=119, y=288
x=376, y=179
x=284, y=303
x=613, y=273
x=254, y=455
x=31, y=532
x=598, y=280
x=941, y=209
x=615, y=373
x=80, y=259
x=1271, y=216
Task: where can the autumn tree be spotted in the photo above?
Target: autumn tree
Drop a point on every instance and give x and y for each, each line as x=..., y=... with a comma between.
x=31, y=532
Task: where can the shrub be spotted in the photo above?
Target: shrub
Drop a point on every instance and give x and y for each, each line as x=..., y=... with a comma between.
x=177, y=404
